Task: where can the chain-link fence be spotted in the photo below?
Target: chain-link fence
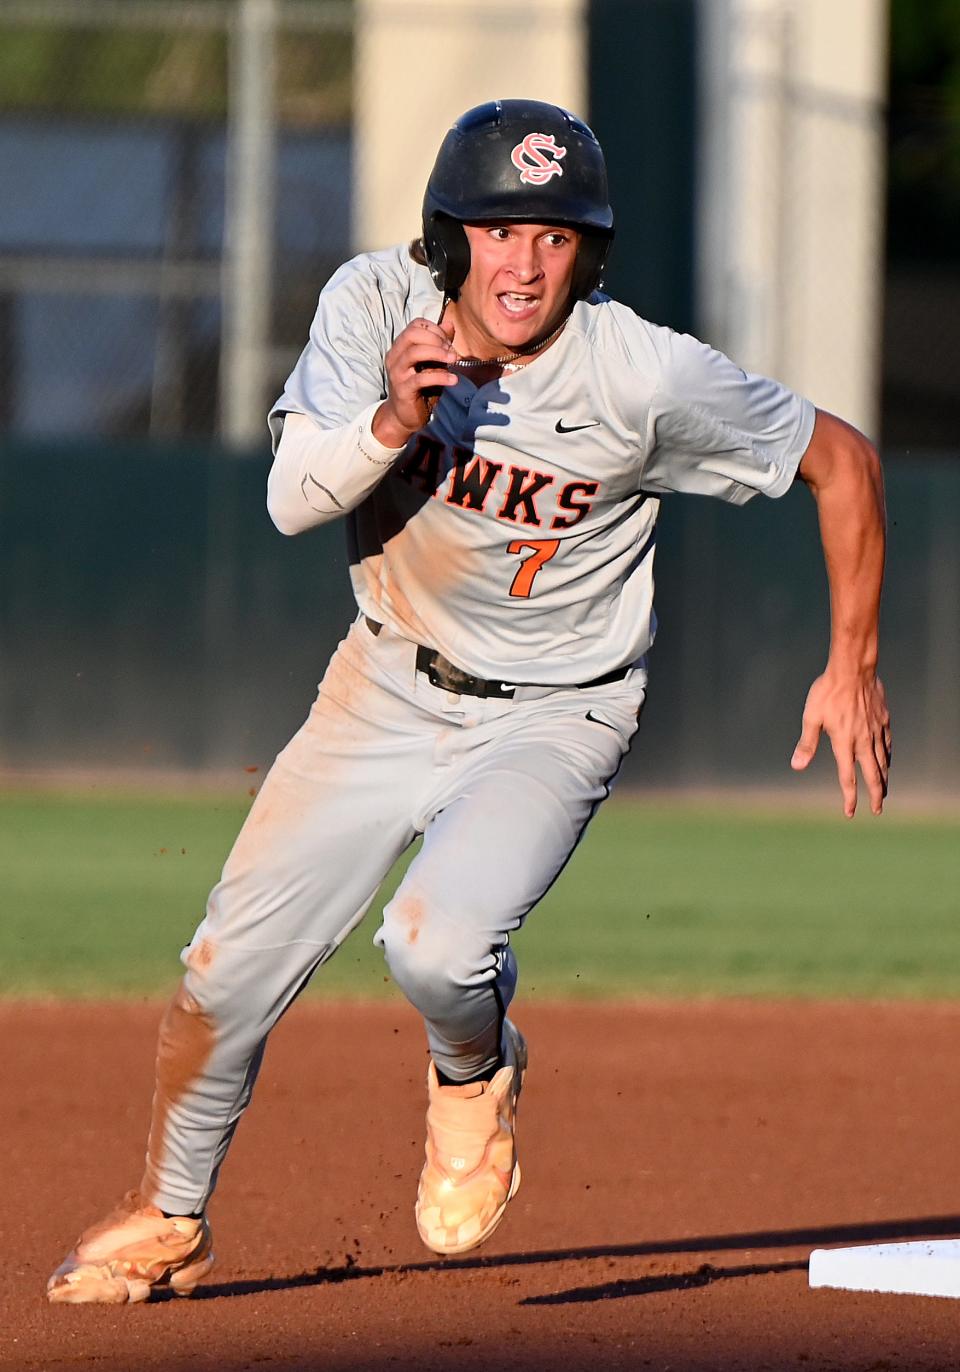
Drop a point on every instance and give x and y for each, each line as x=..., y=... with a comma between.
x=131, y=132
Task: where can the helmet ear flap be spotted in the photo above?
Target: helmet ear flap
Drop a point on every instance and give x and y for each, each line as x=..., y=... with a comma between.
x=448, y=253
x=591, y=259
x=448, y=257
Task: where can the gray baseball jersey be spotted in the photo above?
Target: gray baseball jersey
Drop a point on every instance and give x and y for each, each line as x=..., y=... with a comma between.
x=515, y=531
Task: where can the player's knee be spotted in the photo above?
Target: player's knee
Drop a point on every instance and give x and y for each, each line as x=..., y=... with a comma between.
x=427, y=953
x=210, y=982
x=243, y=992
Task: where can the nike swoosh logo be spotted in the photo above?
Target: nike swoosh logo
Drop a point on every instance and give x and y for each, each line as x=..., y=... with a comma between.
x=572, y=428
x=595, y=719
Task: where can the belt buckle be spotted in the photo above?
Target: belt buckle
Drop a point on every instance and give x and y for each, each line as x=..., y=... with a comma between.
x=442, y=672
x=440, y=678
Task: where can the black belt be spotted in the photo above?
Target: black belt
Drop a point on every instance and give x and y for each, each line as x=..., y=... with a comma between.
x=443, y=673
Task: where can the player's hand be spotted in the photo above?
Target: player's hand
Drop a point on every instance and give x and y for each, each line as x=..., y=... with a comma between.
x=417, y=364
x=851, y=708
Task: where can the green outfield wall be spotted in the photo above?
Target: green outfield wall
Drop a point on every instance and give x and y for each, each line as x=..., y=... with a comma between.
x=151, y=616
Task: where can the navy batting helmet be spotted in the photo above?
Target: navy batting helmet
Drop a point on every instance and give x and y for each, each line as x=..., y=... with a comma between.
x=518, y=160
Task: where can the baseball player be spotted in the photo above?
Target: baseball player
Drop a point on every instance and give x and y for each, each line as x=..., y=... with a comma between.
x=496, y=435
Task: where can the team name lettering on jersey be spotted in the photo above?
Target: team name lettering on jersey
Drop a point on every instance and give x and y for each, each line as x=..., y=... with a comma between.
x=480, y=486
x=422, y=467
x=524, y=486
x=567, y=500
x=470, y=479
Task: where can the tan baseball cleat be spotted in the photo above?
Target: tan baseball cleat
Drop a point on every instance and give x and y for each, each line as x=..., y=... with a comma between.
x=136, y=1248
x=471, y=1171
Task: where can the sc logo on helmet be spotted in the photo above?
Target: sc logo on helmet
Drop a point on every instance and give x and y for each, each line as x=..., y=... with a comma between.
x=528, y=157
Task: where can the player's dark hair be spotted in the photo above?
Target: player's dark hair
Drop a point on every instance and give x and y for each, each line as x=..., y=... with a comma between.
x=522, y=161
x=418, y=252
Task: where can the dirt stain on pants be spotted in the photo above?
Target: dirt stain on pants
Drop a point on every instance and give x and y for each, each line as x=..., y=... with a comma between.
x=185, y=1042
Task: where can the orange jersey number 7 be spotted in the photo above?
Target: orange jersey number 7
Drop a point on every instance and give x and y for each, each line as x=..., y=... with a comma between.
x=542, y=550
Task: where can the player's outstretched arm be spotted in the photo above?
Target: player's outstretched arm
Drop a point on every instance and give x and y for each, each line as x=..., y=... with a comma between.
x=842, y=470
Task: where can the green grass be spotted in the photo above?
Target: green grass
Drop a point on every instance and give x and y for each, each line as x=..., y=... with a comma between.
x=100, y=891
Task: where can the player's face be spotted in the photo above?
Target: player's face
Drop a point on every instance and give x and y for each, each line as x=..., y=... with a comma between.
x=518, y=286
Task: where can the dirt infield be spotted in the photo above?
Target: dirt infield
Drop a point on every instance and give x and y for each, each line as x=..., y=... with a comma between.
x=680, y=1161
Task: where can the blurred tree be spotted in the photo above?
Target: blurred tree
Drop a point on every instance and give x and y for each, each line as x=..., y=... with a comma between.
x=56, y=68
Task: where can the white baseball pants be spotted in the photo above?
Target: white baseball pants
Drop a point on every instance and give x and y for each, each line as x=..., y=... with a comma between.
x=501, y=791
